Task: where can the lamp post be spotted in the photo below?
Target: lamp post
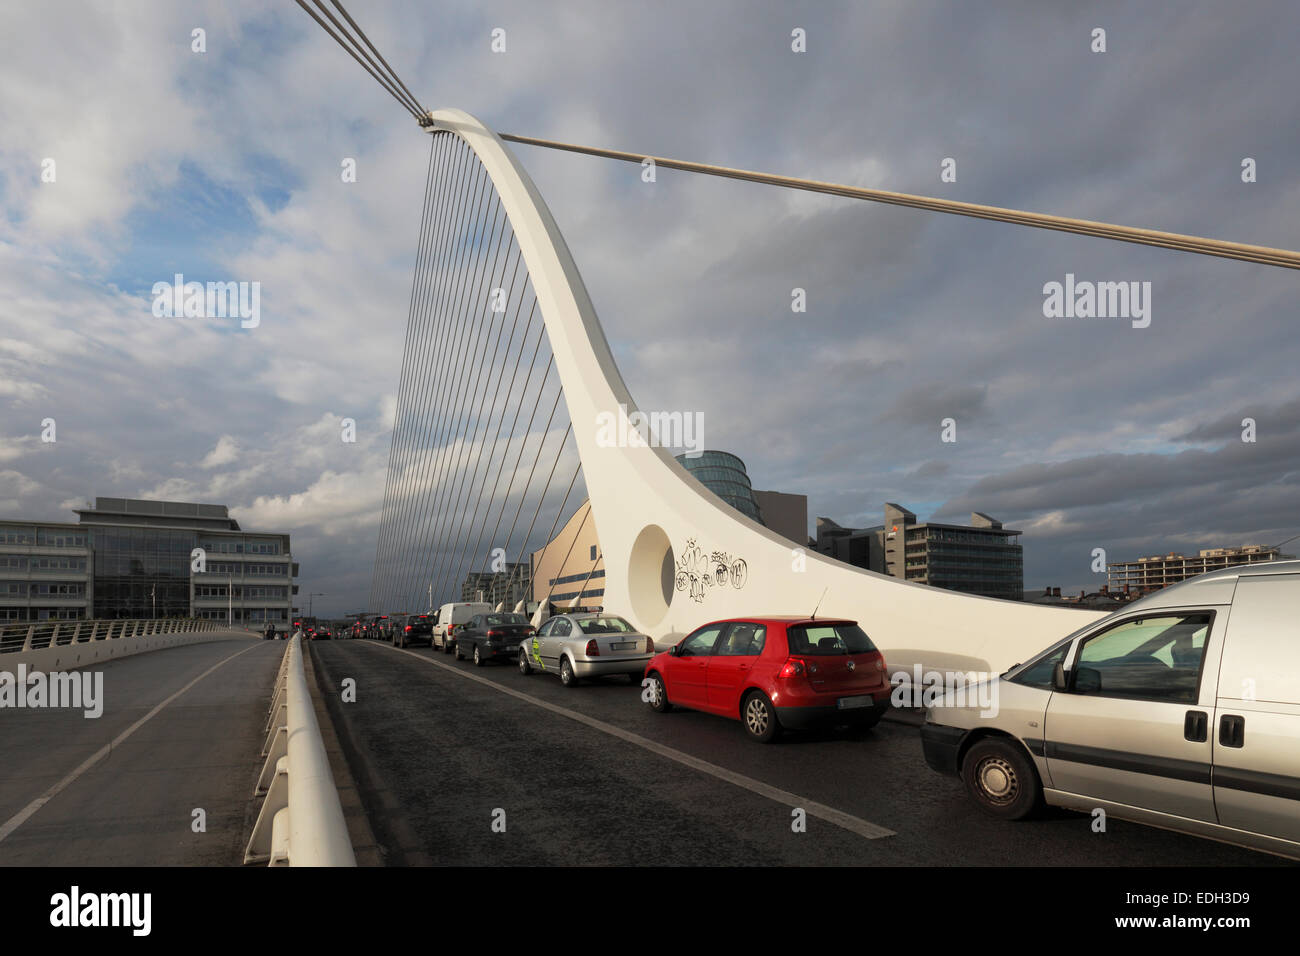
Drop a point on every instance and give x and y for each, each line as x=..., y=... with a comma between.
x=314, y=594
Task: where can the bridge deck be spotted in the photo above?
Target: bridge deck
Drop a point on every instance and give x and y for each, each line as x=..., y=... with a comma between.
x=203, y=709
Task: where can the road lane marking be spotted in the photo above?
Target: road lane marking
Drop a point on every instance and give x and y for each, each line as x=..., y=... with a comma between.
x=862, y=828
x=21, y=817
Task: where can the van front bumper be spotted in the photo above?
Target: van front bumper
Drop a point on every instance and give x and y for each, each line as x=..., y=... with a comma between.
x=941, y=745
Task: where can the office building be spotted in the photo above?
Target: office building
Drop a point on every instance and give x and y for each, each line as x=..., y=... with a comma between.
x=133, y=558
x=1158, y=571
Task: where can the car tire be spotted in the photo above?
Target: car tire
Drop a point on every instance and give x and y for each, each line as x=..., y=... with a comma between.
x=567, y=677
x=524, y=667
x=1001, y=779
x=659, y=702
x=455, y=650
x=759, y=718
x=478, y=660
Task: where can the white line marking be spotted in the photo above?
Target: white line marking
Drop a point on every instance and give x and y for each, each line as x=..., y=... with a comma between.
x=21, y=817
x=854, y=824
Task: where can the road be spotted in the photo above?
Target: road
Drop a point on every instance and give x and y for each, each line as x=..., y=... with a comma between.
x=591, y=776
x=203, y=708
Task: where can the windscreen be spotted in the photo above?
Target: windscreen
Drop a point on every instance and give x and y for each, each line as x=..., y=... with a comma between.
x=605, y=625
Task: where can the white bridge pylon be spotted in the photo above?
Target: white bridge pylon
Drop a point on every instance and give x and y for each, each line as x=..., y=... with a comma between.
x=676, y=556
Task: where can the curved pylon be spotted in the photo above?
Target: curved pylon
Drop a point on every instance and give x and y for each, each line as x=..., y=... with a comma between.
x=675, y=555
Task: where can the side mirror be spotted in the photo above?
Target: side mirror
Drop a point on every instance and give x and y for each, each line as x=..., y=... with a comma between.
x=1058, y=677
x=1087, y=680
x=675, y=651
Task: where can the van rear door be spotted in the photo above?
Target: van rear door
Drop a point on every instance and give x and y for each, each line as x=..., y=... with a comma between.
x=1256, y=729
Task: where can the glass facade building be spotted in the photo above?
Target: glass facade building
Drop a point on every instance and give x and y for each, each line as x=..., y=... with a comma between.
x=724, y=474
x=132, y=558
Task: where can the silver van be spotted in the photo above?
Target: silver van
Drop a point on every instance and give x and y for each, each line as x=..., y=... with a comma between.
x=1181, y=710
x=451, y=616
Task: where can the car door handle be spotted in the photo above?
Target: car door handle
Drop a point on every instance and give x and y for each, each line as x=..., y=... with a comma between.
x=1196, y=726
x=1232, y=730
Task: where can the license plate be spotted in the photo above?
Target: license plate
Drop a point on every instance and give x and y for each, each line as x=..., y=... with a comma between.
x=850, y=703
x=623, y=646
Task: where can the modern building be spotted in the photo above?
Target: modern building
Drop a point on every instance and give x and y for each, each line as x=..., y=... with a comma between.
x=725, y=475
x=133, y=558
x=1161, y=570
x=506, y=587
x=571, y=565
x=980, y=558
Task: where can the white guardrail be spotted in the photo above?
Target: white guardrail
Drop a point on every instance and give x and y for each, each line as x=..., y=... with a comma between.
x=301, y=822
x=15, y=638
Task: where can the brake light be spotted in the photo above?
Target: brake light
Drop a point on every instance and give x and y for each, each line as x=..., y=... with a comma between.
x=408, y=627
x=593, y=649
x=793, y=668
x=649, y=645
x=494, y=633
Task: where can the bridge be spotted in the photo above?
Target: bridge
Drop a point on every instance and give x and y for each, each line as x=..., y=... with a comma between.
x=411, y=757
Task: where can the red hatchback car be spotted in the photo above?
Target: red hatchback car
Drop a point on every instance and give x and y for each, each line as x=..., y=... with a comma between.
x=774, y=673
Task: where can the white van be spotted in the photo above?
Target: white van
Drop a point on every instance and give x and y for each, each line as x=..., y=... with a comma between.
x=451, y=616
x=1181, y=710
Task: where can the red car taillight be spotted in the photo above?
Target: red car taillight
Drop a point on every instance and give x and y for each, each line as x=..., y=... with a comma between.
x=494, y=633
x=650, y=645
x=793, y=668
x=593, y=649
x=408, y=627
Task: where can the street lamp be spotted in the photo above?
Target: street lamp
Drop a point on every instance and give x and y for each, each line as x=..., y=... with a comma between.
x=314, y=594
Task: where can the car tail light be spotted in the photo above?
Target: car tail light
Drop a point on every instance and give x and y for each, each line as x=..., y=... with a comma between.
x=793, y=668
x=593, y=649
x=530, y=632
x=494, y=633
x=649, y=645
x=408, y=627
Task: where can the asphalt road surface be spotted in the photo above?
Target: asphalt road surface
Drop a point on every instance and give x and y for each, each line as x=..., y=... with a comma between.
x=203, y=708
x=465, y=765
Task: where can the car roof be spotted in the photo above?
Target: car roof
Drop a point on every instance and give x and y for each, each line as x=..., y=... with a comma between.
x=786, y=619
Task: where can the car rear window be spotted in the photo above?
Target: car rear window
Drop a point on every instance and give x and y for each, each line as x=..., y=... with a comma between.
x=605, y=625
x=828, y=639
x=505, y=619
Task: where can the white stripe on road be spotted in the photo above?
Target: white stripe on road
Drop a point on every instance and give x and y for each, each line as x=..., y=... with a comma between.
x=19, y=818
x=814, y=809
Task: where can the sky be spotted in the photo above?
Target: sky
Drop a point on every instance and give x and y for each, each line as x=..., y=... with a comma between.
x=1083, y=433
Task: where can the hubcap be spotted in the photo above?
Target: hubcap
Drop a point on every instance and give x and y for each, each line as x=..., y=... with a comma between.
x=997, y=778
x=756, y=717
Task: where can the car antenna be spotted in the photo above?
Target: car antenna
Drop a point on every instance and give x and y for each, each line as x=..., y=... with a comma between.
x=819, y=604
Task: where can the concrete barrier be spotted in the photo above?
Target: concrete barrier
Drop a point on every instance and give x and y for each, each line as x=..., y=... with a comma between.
x=301, y=821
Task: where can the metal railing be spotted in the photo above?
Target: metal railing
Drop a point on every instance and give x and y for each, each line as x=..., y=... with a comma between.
x=301, y=821
x=16, y=637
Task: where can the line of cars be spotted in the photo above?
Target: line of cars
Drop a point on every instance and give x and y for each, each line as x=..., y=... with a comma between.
x=1180, y=710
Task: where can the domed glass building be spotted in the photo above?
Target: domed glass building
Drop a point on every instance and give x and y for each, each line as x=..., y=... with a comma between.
x=724, y=474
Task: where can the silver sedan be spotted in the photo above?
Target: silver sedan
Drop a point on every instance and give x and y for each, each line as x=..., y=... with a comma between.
x=575, y=646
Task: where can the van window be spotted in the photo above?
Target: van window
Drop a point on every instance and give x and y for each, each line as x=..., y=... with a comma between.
x=1157, y=658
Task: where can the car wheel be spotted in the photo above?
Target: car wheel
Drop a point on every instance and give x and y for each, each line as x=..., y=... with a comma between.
x=524, y=667
x=478, y=661
x=446, y=646
x=1001, y=779
x=759, y=717
x=455, y=649
x=567, y=677
x=658, y=694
